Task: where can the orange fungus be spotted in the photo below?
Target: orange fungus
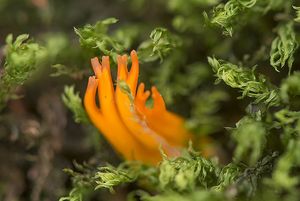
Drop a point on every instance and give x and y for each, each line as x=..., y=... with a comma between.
x=134, y=130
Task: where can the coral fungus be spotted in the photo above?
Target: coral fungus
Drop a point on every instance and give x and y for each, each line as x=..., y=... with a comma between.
x=134, y=130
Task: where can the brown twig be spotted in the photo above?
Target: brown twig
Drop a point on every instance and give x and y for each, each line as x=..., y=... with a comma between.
x=53, y=114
